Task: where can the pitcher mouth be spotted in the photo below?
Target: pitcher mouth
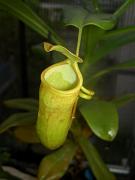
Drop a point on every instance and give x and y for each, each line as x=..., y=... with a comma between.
x=78, y=80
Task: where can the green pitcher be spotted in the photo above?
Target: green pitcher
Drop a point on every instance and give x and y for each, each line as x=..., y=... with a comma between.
x=59, y=91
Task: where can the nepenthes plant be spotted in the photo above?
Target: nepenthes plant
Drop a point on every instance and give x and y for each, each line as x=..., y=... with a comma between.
x=69, y=107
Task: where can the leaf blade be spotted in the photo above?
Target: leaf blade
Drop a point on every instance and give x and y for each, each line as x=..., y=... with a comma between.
x=123, y=8
x=55, y=165
x=123, y=100
x=79, y=18
x=129, y=64
x=102, y=118
x=27, y=104
x=103, y=21
x=26, y=134
x=90, y=38
x=18, y=119
x=95, y=162
x=118, y=38
x=23, y=12
x=6, y=175
x=74, y=16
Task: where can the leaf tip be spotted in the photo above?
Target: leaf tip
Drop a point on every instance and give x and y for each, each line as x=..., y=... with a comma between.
x=111, y=134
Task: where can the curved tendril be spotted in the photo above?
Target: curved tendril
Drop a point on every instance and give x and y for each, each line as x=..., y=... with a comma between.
x=85, y=96
x=88, y=92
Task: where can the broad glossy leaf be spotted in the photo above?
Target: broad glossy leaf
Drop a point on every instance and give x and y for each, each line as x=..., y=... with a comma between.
x=113, y=40
x=79, y=17
x=23, y=12
x=75, y=16
x=56, y=164
x=123, y=100
x=18, y=119
x=96, y=164
x=27, y=104
x=26, y=134
x=130, y=64
x=102, y=118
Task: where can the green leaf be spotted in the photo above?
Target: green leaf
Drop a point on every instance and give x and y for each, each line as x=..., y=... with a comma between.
x=122, y=66
x=26, y=134
x=118, y=33
x=7, y=176
x=113, y=40
x=103, y=21
x=102, y=118
x=79, y=18
x=96, y=164
x=24, y=13
x=123, y=8
x=123, y=100
x=56, y=164
x=75, y=16
x=27, y=104
x=18, y=119
x=90, y=38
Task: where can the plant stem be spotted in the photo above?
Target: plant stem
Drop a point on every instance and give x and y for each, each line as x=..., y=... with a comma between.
x=79, y=41
x=96, y=6
x=123, y=8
